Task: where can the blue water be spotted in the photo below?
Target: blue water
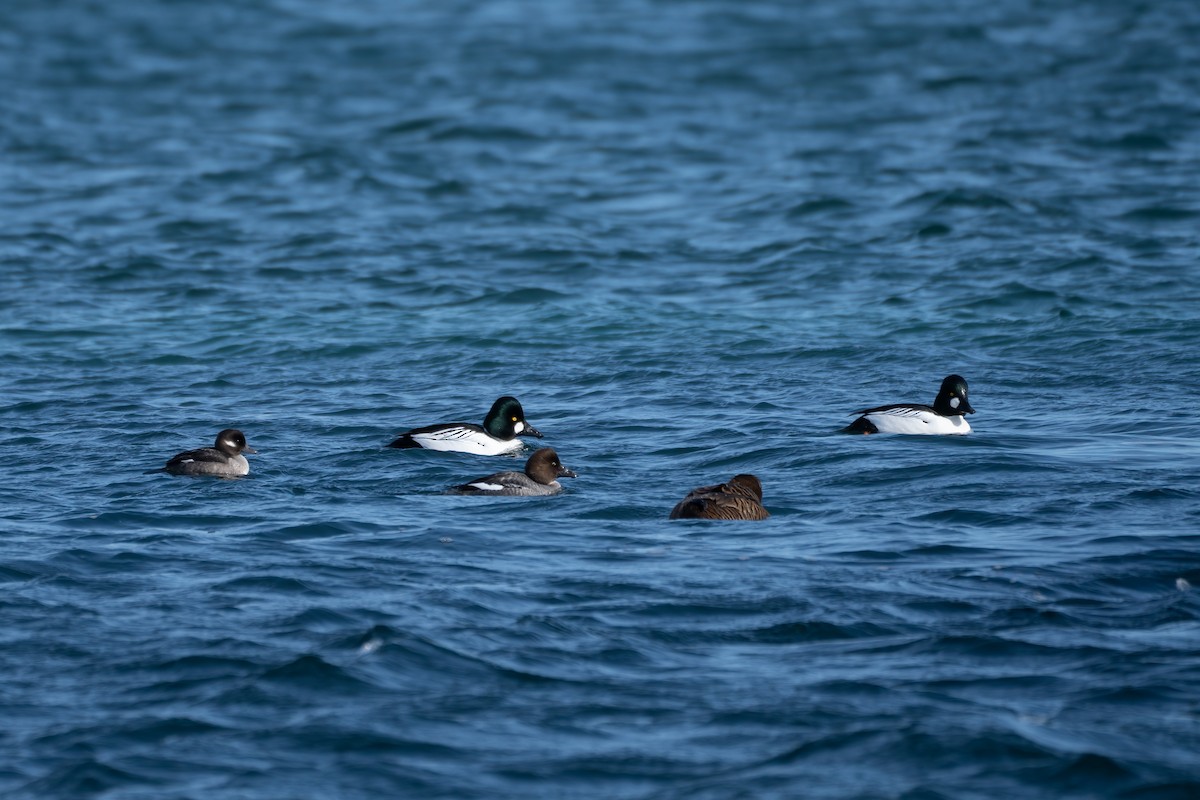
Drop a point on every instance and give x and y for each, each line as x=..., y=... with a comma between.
x=691, y=237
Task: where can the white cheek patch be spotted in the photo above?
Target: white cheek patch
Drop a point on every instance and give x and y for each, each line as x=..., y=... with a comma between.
x=954, y=402
x=487, y=487
x=518, y=427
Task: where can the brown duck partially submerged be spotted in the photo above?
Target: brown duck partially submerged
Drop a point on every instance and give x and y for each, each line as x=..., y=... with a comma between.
x=739, y=498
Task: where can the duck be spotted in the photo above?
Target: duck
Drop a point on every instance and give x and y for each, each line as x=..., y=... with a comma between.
x=739, y=498
x=542, y=471
x=497, y=436
x=947, y=415
x=223, y=460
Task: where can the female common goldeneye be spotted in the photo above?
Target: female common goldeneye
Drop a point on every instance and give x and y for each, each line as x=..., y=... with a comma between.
x=498, y=434
x=539, y=478
x=946, y=415
x=224, y=459
x=740, y=498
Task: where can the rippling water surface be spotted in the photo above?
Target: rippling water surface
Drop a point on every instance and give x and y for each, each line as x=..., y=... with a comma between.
x=692, y=237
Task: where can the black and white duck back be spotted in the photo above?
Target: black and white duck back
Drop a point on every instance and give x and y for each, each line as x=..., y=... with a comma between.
x=947, y=415
x=505, y=421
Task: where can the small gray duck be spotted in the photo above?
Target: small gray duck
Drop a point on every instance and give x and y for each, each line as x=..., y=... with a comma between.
x=542, y=471
x=223, y=460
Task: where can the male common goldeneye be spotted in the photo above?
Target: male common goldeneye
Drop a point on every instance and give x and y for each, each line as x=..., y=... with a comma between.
x=946, y=415
x=539, y=478
x=224, y=459
x=498, y=434
x=740, y=498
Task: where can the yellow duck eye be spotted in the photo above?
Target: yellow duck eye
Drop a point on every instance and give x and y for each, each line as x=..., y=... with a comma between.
x=514, y=419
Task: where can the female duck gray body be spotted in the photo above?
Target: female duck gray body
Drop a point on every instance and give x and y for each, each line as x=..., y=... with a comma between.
x=539, y=478
x=223, y=460
x=740, y=498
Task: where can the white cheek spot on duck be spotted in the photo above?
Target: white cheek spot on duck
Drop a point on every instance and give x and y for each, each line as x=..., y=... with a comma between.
x=954, y=402
x=520, y=426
